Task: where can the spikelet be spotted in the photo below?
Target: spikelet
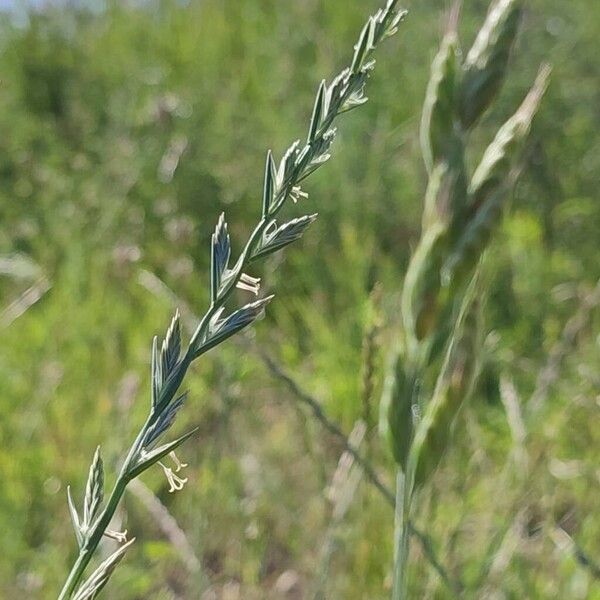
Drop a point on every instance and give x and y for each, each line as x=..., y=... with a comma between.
x=396, y=414
x=422, y=293
x=99, y=578
x=500, y=155
x=423, y=296
x=437, y=121
x=452, y=391
x=491, y=183
x=487, y=61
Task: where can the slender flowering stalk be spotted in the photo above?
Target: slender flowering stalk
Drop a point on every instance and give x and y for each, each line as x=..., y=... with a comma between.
x=433, y=373
x=282, y=182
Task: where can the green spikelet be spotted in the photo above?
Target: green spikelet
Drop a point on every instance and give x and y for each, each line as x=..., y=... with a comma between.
x=491, y=183
x=487, y=61
x=469, y=248
x=453, y=388
x=437, y=122
x=423, y=294
x=500, y=155
x=396, y=417
x=421, y=299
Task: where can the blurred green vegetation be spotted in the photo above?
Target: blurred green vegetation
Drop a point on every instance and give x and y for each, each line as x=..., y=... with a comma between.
x=123, y=134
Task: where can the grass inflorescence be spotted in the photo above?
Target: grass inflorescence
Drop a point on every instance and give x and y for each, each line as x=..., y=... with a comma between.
x=171, y=361
x=436, y=365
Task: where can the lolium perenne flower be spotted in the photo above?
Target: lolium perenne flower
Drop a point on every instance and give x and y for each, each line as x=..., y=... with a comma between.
x=175, y=483
x=171, y=363
x=440, y=313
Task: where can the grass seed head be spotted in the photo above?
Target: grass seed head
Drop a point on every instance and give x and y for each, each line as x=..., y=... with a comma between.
x=459, y=218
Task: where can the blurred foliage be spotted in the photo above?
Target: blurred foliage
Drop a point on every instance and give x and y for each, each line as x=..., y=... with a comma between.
x=124, y=133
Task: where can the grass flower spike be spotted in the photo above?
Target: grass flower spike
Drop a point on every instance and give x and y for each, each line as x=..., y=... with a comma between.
x=432, y=375
x=171, y=359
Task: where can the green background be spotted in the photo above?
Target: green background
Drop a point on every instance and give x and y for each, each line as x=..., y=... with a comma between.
x=124, y=133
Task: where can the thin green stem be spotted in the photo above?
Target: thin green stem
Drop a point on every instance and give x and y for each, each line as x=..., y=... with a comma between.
x=405, y=486
x=402, y=531
x=398, y=513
